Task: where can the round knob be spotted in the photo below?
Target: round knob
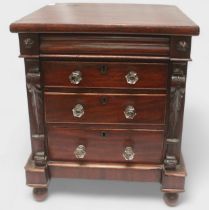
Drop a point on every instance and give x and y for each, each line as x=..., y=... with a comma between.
x=128, y=153
x=75, y=77
x=78, y=110
x=132, y=77
x=80, y=151
x=130, y=112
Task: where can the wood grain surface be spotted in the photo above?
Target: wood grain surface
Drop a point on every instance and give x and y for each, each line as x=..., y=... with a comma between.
x=150, y=108
x=105, y=145
x=107, y=18
x=150, y=75
x=104, y=44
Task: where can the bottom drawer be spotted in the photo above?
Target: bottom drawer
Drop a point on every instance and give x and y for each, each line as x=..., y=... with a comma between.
x=95, y=145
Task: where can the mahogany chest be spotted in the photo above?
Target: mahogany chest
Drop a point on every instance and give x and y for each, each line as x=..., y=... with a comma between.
x=106, y=91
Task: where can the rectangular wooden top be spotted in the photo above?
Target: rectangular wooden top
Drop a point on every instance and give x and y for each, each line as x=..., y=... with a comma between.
x=107, y=18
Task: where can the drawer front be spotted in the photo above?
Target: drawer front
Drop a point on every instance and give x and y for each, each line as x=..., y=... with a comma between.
x=110, y=75
x=104, y=45
x=105, y=108
x=105, y=145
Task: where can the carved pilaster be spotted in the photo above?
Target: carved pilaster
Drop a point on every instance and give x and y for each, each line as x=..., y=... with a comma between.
x=34, y=90
x=35, y=104
x=170, y=162
x=176, y=108
x=40, y=158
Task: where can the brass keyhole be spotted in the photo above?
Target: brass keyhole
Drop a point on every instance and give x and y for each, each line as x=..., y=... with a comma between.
x=103, y=134
x=103, y=69
x=103, y=100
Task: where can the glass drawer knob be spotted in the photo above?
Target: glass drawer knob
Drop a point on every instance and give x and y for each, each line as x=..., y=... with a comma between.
x=75, y=77
x=80, y=152
x=132, y=77
x=78, y=111
x=130, y=112
x=128, y=153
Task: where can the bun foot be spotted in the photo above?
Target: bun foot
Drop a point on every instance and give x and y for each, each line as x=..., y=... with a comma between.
x=171, y=198
x=40, y=194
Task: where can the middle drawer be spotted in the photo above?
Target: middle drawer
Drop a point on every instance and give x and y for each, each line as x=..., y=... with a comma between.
x=104, y=108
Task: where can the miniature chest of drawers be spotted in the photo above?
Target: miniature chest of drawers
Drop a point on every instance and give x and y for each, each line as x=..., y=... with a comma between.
x=106, y=90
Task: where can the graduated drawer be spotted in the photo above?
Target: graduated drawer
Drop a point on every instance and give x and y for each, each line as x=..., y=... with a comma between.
x=110, y=75
x=118, y=145
x=104, y=108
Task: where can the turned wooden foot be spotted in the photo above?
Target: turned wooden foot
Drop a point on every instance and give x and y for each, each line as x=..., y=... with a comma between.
x=171, y=199
x=40, y=194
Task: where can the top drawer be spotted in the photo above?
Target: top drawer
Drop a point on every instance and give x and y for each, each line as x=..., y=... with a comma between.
x=104, y=45
x=104, y=75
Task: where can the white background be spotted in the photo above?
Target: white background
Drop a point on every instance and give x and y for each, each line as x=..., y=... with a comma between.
x=84, y=194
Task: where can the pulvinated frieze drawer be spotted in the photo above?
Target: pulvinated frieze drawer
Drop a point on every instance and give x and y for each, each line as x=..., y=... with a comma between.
x=106, y=93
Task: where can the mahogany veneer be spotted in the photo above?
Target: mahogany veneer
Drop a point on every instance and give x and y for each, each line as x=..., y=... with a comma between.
x=150, y=108
x=152, y=75
x=106, y=93
x=105, y=145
